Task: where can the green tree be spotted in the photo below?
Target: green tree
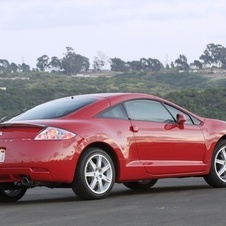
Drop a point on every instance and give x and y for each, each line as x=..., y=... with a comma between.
x=145, y=64
x=181, y=63
x=55, y=63
x=151, y=64
x=43, y=62
x=4, y=66
x=73, y=63
x=135, y=65
x=13, y=67
x=156, y=65
x=24, y=67
x=85, y=64
x=223, y=58
x=118, y=65
x=214, y=55
x=172, y=64
x=198, y=64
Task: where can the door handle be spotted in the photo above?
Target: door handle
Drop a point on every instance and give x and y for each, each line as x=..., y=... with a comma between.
x=134, y=129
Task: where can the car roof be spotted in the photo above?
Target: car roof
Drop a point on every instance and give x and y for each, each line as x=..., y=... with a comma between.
x=112, y=95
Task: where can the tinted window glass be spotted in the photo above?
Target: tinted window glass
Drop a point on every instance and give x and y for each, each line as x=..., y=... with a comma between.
x=114, y=112
x=55, y=108
x=147, y=110
x=175, y=111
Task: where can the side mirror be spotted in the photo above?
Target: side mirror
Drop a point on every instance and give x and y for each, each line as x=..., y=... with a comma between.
x=181, y=119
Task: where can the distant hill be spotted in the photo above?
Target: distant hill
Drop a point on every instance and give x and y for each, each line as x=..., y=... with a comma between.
x=202, y=93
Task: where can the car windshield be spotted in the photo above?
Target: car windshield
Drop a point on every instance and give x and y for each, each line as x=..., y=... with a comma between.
x=56, y=108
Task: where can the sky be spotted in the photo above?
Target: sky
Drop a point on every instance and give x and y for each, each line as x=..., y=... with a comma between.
x=126, y=29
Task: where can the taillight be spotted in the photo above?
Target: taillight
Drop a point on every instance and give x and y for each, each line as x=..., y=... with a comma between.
x=52, y=133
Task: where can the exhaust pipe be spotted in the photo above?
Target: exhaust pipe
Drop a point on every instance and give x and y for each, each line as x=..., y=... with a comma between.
x=27, y=182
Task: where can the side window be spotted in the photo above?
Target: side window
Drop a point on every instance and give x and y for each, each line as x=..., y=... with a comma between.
x=114, y=112
x=147, y=110
x=175, y=111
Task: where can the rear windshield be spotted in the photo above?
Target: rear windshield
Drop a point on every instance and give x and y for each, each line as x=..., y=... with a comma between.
x=56, y=108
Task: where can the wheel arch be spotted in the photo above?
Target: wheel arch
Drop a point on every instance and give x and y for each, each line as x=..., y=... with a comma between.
x=210, y=155
x=213, y=178
x=109, y=150
x=222, y=138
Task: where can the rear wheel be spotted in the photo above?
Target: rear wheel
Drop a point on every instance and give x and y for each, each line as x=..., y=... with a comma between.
x=11, y=193
x=141, y=184
x=217, y=175
x=95, y=175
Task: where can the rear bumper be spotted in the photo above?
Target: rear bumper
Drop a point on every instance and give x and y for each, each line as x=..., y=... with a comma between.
x=40, y=161
x=16, y=174
x=54, y=171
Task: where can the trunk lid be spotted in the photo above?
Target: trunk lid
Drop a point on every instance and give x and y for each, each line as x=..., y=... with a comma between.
x=19, y=130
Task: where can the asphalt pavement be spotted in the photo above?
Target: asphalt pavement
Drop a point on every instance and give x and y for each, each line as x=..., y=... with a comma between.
x=171, y=202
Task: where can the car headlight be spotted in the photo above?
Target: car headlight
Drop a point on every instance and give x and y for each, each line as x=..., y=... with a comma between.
x=52, y=133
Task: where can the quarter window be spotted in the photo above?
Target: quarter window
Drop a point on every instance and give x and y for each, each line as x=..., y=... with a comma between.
x=114, y=112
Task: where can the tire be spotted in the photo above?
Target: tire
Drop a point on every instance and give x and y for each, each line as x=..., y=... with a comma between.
x=95, y=175
x=11, y=194
x=141, y=184
x=217, y=175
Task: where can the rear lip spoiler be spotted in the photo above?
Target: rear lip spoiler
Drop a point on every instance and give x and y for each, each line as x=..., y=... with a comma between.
x=7, y=124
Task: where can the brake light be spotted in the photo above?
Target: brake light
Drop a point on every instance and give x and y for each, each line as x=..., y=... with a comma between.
x=52, y=133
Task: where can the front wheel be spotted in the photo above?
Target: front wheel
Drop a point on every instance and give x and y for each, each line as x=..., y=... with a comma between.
x=217, y=176
x=141, y=184
x=95, y=175
x=11, y=193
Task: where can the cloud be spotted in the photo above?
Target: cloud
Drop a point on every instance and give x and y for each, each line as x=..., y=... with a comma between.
x=128, y=29
x=37, y=14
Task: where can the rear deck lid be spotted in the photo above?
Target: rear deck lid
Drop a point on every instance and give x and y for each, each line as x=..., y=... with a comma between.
x=19, y=130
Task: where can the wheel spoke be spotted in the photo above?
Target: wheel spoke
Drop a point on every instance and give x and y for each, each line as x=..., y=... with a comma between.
x=220, y=162
x=105, y=168
x=89, y=174
x=100, y=186
x=106, y=179
x=224, y=154
x=92, y=164
x=93, y=183
x=99, y=161
x=221, y=171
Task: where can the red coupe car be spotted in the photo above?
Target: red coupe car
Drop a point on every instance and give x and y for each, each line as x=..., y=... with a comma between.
x=89, y=142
